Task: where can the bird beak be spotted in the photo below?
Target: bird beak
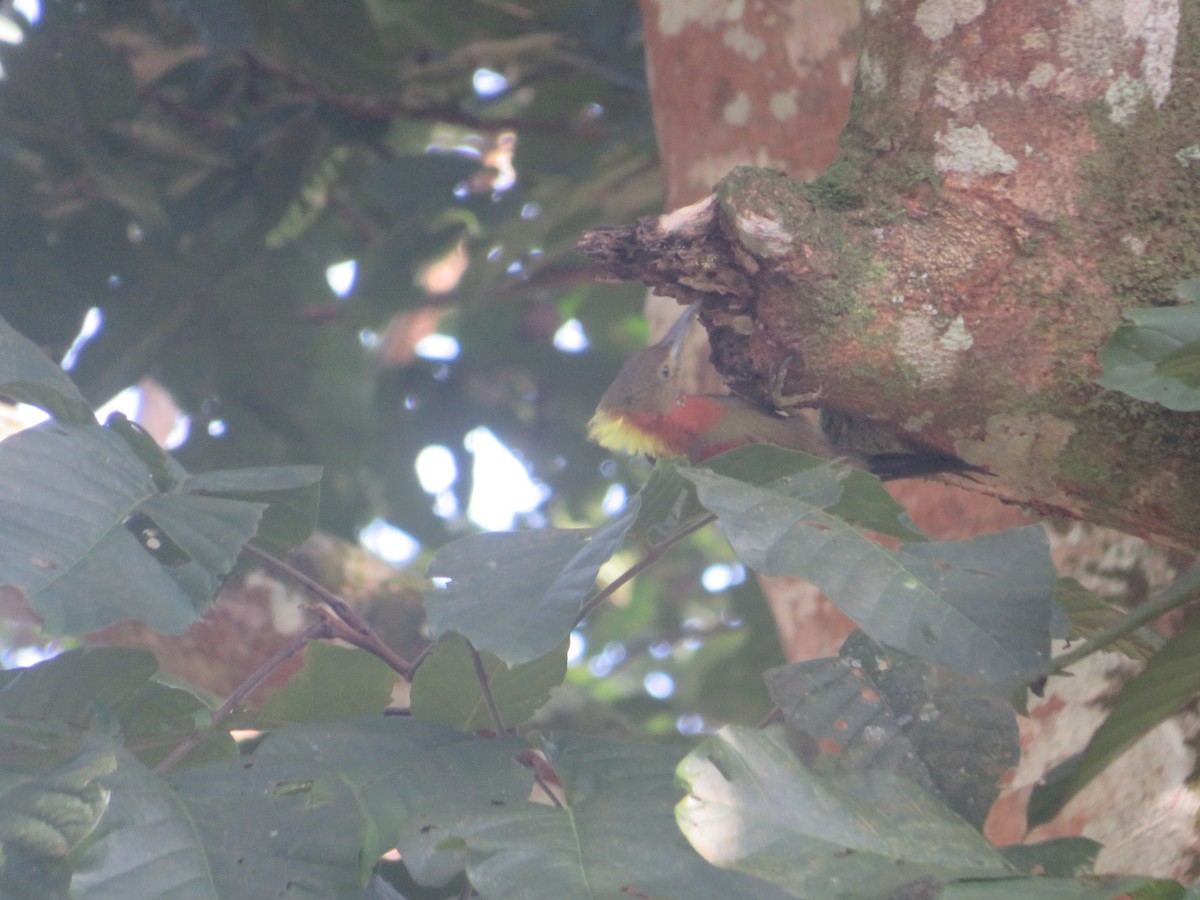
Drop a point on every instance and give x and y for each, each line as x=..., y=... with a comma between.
x=680, y=330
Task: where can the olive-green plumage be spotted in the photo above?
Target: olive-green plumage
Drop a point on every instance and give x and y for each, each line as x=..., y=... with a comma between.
x=645, y=410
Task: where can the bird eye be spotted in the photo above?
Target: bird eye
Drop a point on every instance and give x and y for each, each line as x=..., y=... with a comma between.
x=665, y=371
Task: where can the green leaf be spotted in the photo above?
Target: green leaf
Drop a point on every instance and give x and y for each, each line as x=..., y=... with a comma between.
x=27, y=375
x=1156, y=358
x=84, y=688
x=517, y=594
x=753, y=807
x=668, y=503
x=314, y=807
x=1086, y=888
x=146, y=844
x=336, y=682
x=875, y=709
x=90, y=539
x=44, y=816
x=981, y=606
x=1169, y=682
x=309, y=811
x=616, y=837
x=1059, y=857
x=71, y=687
x=1089, y=613
x=446, y=689
x=1188, y=290
x=834, y=702
x=292, y=495
x=164, y=471
x=864, y=501
x=762, y=463
x=1182, y=365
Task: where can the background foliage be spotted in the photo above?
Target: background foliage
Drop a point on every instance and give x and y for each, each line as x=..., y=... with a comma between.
x=191, y=171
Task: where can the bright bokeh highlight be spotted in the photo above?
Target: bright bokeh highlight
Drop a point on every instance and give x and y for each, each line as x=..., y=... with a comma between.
x=503, y=488
x=388, y=542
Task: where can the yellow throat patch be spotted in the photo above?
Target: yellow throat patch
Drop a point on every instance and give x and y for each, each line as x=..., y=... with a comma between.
x=616, y=432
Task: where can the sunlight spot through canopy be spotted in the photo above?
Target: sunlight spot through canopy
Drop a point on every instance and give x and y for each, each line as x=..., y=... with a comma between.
x=93, y=321
x=436, y=469
x=389, y=542
x=438, y=346
x=342, y=276
x=503, y=488
x=570, y=337
x=488, y=83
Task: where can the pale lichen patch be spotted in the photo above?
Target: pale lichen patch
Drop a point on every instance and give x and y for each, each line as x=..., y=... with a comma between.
x=737, y=110
x=934, y=356
x=938, y=18
x=675, y=15
x=763, y=236
x=871, y=73
x=971, y=151
x=1156, y=24
x=915, y=424
x=1124, y=96
x=1041, y=75
x=743, y=43
x=690, y=219
x=784, y=105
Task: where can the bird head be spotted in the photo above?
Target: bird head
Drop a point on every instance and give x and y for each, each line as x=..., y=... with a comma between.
x=646, y=389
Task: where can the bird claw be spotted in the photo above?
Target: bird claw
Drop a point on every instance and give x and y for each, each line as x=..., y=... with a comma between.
x=780, y=399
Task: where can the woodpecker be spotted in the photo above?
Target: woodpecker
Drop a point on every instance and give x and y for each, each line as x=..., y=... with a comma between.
x=645, y=410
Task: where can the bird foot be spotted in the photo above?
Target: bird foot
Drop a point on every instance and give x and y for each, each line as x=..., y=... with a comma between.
x=782, y=400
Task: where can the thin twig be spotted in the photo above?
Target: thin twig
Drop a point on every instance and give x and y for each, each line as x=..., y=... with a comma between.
x=367, y=638
x=369, y=642
x=652, y=556
x=486, y=687
x=1183, y=590
x=420, y=661
x=541, y=782
x=775, y=715
x=316, y=631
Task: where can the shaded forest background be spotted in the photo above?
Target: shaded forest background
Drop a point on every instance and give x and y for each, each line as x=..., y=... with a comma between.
x=190, y=173
x=344, y=234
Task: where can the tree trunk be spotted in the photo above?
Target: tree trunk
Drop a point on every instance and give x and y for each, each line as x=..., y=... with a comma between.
x=1013, y=175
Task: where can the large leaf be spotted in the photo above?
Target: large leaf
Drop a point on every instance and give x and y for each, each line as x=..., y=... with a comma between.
x=862, y=498
x=314, y=807
x=1155, y=358
x=44, y=816
x=981, y=606
x=668, y=502
x=1063, y=857
x=1170, y=681
x=90, y=538
x=446, y=687
x=615, y=837
x=335, y=683
x=308, y=812
x=146, y=844
x=877, y=709
x=27, y=375
x=44, y=706
x=1088, y=614
x=753, y=807
x=292, y=495
x=1084, y=888
x=517, y=594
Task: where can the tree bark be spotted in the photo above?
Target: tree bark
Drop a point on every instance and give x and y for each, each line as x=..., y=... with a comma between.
x=1013, y=175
